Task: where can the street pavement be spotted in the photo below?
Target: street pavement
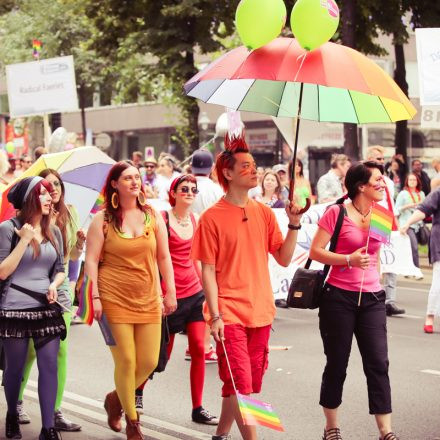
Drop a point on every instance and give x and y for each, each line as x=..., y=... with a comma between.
x=291, y=384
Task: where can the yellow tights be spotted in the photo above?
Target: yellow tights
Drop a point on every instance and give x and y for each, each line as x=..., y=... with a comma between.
x=135, y=356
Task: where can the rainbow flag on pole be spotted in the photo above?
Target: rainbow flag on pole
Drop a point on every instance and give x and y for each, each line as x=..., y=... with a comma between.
x=36, y=49
x=255, y=412
x=381, y=223
x=98, y=204
x=85, y=309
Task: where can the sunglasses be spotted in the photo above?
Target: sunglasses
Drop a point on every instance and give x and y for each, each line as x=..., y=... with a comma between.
x=380, y=158
x=186, y=190
x=150, y=166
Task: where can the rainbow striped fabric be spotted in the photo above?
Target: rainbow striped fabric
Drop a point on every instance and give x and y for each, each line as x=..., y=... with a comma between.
x=98, y=204
x=85, y=309
x=255, y=412
x=381, y=223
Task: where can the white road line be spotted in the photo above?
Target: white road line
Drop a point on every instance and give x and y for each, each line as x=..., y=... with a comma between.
x=196, y=435
x=433, y=372
x=407, y=315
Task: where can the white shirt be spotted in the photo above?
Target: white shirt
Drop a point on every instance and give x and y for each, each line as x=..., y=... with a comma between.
x=390, y=185
x=209, y=193
x=163, y=185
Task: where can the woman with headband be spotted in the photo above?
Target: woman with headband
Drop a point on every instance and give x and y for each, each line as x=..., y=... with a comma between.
x=31, y=270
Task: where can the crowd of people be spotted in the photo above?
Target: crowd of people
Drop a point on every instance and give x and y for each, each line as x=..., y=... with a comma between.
x=219, y=216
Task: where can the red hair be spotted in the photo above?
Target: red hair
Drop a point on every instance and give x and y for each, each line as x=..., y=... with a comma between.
x=31, y=209
x=419, y=182
x=115, y=172
x=226, y=159
x=175, y=184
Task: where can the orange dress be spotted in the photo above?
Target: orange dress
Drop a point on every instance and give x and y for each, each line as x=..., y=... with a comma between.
x=128, y=277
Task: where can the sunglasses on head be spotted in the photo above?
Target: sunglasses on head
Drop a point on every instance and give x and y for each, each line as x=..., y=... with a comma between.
x=187, y=189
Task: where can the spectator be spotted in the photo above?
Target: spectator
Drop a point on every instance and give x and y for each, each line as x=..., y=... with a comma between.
x=271, y=190
x=9, y=176
x=395, y=174
x=136, y=158
x=167, y=171
x=209, y=191
x=150, y=180
x=435, y=181
x=330, y=187
x=281, y=171
x=25, y=163
x=303, y=190
x=254, y=193
x=389, y=280
x=4, y=166
x=417, y=169
x=39, y=151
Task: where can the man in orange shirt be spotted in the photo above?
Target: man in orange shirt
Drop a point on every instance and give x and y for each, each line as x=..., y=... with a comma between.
x=233, y=240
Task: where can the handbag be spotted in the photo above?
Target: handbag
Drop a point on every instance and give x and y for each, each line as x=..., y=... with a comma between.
x=423, y=235
x=163, y=350
x=306, y=287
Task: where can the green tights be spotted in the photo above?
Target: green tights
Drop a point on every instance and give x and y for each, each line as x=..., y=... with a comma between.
x=62, y=364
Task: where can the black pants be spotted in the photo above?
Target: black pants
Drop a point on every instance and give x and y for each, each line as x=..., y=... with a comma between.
x=339, y=318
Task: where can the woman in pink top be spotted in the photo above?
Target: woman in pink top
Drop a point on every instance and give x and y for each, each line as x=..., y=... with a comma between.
x=340, y=316
x=181, y=225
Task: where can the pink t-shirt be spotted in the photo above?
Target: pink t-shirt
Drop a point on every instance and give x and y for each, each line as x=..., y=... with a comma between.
x=350, y=239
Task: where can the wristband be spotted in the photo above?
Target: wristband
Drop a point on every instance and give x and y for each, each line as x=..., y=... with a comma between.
x=216, y=318
x=96, y=297
x=294, y=227
x=347, y=259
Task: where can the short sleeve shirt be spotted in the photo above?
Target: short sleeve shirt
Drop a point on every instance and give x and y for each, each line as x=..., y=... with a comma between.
x=431, y=207
x=237, y=241
x=329, y=187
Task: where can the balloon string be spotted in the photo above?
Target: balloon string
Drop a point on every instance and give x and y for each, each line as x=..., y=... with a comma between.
x=303, y=56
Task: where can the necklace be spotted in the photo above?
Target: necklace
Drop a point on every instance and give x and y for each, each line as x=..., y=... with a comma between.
x=364, y=216
x=184, y=222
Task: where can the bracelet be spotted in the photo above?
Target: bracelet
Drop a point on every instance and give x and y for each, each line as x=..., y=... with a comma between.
x=294, y=227
x=347, y=259
x=216, y=318
x=80, y=248
x=96, y=297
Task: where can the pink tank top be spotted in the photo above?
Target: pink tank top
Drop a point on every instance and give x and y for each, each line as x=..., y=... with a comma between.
x=185, y=275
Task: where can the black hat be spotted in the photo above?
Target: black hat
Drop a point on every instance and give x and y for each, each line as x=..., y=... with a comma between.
x=18, y=194
x=201, y=162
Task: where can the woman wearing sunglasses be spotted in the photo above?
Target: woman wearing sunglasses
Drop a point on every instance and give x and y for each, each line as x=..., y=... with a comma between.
x=181, y=225
x=67, y=220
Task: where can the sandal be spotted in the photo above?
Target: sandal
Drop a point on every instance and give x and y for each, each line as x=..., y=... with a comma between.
x=334, y=434
x=390, y=436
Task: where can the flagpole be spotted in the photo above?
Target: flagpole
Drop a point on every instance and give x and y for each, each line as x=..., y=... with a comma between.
x=363, y=272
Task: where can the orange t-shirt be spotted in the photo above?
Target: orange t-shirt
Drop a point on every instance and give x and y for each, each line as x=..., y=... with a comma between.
x=239, y=249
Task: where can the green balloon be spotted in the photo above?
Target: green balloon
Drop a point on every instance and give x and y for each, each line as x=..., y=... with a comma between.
x=10, y=147
x=314, y=22
x=260, y=21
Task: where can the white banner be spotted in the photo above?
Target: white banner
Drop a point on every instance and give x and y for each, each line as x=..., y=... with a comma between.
x=42, y=87
x=395, y=257
x=428, y=59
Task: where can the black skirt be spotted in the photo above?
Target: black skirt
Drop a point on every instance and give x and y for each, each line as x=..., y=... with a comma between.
x=29, y=323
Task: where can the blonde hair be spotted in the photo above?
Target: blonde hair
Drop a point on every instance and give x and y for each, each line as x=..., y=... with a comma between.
x=435, y=161
x=338, y=158
x=4, y=163
x=371, y=151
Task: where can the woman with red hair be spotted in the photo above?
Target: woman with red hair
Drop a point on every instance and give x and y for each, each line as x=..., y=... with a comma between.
x=31, y=270
x=126, y=244
x=181, y=225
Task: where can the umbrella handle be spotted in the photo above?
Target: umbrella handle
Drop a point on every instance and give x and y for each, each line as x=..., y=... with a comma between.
x=292, y=198
x=306, y=207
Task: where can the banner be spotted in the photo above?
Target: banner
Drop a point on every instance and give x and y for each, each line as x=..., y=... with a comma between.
x=395, y=257
x=428, y=60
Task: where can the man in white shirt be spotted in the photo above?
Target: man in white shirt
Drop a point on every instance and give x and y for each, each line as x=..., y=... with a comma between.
x=376, y=154
x=435, y=181
x=329, y=186
x=209, y=191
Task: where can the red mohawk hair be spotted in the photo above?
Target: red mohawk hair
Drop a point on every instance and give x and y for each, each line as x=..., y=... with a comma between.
x=226, y=159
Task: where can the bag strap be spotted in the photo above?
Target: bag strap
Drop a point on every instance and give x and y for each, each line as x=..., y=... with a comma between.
x=167, y=221
x=42, y=299
x=335, y=236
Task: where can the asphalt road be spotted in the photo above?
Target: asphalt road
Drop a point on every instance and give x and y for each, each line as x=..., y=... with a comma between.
x=291, y=384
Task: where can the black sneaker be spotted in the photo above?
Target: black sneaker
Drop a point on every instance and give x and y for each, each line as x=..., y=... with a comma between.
x=63, y=424
x=139, y=403
x=392, y=309
x=12, y=428
x=49, y=434
x=201, y=415
x=221, y=437
x=281, y=303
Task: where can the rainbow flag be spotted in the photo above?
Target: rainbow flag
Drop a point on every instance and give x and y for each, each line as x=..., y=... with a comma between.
x=381, y=223
x=85, y=309
x=98, y=204
x=255, y=412
x=36, y=49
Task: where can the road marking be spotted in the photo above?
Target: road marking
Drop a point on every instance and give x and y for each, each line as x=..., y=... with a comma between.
x=407, y=315
x=196, y=435
x=433, y=372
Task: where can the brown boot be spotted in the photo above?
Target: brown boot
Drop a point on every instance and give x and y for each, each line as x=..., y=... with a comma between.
x=114, y=411
x=133, y=429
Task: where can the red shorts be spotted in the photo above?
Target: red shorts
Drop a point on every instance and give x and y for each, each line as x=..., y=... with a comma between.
x=247, y=350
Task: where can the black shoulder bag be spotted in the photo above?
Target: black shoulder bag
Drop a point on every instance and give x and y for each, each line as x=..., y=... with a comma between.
x=306, y=287
x=4, y=284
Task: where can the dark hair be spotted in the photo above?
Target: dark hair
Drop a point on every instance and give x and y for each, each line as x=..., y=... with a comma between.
x=419, y=182
x=301, y=167
x=31, y=208
x=115, y=172
x=358, y=175
x=278, y=188
x=64, y=217
x=416, y=160
x=176, y=183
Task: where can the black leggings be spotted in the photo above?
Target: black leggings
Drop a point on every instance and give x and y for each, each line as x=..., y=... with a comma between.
x=340, y=318
x=16, y=351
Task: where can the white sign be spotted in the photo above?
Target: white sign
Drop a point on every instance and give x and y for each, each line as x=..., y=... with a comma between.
x=42, y=87
x=428, y=58
x=149, y=153
x=395, y=257
x=430, y=117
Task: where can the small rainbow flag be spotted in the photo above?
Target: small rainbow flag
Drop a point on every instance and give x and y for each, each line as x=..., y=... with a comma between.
x=85, y=309
x=36, y=49
x=98, y=204
x=254, y=412
x=381, y=223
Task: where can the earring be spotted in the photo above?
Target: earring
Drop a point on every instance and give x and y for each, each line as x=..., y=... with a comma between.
x=115, y=200
x=141, y=199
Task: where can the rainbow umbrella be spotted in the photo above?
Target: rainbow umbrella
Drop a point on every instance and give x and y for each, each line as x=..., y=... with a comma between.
x=83, y=171
x=333, y=83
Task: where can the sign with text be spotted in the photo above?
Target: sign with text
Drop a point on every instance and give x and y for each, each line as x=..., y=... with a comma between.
x=42, y=87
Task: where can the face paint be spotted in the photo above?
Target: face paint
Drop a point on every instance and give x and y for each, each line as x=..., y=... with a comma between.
x=44, y=198
x=245, y=172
